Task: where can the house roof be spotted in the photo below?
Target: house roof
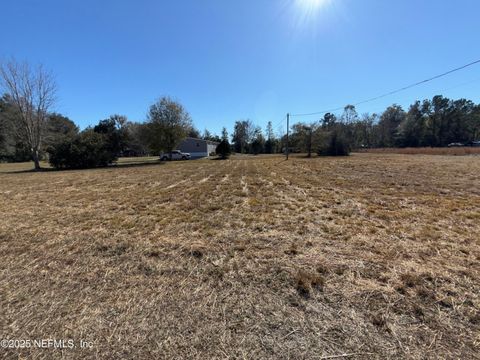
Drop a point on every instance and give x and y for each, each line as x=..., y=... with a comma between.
x=207, y=141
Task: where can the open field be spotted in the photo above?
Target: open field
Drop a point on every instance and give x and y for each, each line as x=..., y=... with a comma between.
x=373, y=256
x=455, y=151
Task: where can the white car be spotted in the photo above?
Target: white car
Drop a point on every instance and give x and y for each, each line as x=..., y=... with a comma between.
x=176, y=155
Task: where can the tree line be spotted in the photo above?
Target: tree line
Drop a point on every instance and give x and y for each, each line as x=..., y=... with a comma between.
x=29, y=130
x=61, y=142
x=429, y=123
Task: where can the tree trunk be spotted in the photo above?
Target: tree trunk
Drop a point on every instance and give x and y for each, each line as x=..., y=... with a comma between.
x=36, y=159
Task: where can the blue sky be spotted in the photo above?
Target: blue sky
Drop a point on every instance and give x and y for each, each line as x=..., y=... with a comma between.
x=226, y=60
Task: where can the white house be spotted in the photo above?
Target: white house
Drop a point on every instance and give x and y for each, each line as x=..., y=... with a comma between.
x=197, y=148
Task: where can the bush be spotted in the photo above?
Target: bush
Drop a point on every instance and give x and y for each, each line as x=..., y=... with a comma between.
x=223, y=149
x=335, y=144
x=21, y=153
x=87, y=150
x=17, y=152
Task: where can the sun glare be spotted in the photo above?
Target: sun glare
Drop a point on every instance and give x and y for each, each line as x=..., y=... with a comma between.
x=309, y=11
x=312, y=5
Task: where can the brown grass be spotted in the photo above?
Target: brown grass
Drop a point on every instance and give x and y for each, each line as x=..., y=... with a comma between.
x=254, y=257
x=453, y=151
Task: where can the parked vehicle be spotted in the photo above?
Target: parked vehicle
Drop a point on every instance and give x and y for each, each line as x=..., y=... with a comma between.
x=457, y=144
x=175, y=155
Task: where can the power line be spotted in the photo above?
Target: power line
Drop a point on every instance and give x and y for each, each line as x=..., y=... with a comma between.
x=392, y=92
x=280, y=124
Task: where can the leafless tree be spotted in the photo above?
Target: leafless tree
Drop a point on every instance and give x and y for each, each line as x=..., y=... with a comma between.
x=32, y=91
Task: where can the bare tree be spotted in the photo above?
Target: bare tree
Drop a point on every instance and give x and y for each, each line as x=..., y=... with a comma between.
x=32, y=91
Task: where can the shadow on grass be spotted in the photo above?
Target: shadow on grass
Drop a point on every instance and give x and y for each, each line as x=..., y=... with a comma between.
x=112, y=166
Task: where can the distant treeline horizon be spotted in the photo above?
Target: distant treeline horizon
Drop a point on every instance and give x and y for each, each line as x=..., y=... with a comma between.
x=428, y=123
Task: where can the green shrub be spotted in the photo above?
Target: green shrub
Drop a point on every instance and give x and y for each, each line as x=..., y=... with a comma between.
x=87, y=150
x=223, y=149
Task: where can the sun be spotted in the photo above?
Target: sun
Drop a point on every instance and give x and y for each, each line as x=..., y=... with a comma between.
x=310, y=10
x=312, y=5
x=311, y=16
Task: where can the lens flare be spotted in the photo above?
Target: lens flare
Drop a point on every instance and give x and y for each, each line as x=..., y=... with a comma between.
x=310, y=11
x=311, y=5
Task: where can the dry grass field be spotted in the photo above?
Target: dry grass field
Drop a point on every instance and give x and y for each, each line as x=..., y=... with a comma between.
x=374, y=256
x=454, y=151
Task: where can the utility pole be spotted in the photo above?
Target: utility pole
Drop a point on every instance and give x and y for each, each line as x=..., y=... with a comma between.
x=288, y=128
x=309, y=140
